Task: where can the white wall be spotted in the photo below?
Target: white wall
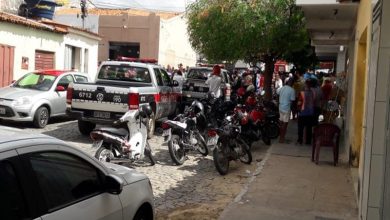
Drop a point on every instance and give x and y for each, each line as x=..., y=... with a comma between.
x=26, y=41
x=83, y=42
x=174, y=46
x=10, y=6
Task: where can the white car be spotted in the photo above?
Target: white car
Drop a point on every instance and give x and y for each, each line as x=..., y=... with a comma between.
x=45, y=178
x=37, y=96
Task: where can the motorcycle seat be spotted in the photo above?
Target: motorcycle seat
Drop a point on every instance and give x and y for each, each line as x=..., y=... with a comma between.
x=116, y=131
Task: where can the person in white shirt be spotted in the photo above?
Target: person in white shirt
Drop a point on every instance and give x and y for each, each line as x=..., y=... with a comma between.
x=179, y=78
x=278, y=83
x=214, y=82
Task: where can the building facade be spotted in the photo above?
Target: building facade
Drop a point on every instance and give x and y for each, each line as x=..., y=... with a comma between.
x=139, y=34
x=27, y=45
x=366, y=60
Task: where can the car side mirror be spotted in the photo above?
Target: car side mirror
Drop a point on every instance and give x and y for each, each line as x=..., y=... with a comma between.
x=113, y=184
x=60, y=88
x=174, y=83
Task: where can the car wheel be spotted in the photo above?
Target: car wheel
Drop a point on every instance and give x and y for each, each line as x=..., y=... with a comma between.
x=143, y=214
x=41, y=117
x=85, y=127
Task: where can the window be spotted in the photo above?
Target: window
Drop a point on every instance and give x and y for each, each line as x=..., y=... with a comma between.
x=81, y=78
x=159, y=79
x=65, y=80
x=72, y=59
x=12, y=202
x=36, y=81
x=162, y=77
x=64, y=178
x=199, y=74
x=165, y=77
x=125, y=73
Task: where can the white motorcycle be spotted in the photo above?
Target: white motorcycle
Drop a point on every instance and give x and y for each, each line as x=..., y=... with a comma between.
x=126, y=141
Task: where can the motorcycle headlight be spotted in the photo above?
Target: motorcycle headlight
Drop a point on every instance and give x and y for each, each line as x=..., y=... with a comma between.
x=22, y=101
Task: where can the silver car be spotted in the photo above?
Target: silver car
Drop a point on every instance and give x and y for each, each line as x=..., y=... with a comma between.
x=45, y=178
x=37, y=96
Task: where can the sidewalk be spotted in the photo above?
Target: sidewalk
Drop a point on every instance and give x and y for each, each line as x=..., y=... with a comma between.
x=290, y=186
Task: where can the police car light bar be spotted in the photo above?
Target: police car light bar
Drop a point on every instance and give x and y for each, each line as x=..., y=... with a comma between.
x=132, y=59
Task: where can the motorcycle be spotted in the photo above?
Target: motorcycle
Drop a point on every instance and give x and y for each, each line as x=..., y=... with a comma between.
x=126, y=141
x=184, y=133
x=229, y=145
x=252, y=124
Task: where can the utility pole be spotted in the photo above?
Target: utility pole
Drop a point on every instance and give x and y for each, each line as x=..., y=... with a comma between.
x=83, y=6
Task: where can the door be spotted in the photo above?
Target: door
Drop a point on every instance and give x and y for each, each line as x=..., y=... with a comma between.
x=164, y=91
x=12, y=200
x=72, y=187
x=59, y=97
x=6, y=65
x=44, y=60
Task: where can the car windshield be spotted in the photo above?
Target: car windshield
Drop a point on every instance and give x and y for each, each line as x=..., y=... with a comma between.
x=36, y=81
x=199, y=74
x=124, y=73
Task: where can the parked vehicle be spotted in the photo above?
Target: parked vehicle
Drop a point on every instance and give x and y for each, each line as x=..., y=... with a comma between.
x=252, y=124
x=121, y=86
x=194, y=87
x=45, y=178
x=124, y=144
x=38, y=96
x=230, y=146
x=185, y=133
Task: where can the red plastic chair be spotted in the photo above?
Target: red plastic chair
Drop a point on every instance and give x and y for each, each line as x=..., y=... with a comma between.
x=326, y=135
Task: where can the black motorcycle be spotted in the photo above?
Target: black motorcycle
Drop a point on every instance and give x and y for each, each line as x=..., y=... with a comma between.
x=185, y=133
x=230, y=146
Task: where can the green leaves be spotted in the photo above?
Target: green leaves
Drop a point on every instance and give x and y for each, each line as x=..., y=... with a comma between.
x=228, y=30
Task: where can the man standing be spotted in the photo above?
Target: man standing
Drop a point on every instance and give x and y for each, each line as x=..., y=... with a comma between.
x=286, y=96
x=214, y=82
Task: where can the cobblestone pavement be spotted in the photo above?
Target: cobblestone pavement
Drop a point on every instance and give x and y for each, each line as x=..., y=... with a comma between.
x=192, y=191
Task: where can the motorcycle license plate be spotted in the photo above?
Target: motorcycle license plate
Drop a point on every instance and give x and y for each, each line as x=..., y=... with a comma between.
x=97, y=144
x=212, y=141
x=166, y=132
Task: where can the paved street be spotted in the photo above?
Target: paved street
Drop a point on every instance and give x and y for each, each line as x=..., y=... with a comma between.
x=192, y=191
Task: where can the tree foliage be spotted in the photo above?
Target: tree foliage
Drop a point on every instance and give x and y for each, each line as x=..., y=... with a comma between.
x=253, y=30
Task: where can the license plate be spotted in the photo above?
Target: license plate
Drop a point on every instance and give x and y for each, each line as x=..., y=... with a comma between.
x=212, y=141
x=166, y=132
x=189, y=95
x=98, y=114
x=2, y=111
x=97, y=144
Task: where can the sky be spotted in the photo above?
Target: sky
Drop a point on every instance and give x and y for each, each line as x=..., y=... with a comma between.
x=162, y=5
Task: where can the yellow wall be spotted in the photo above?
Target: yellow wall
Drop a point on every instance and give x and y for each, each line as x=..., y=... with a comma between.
x=362, y=48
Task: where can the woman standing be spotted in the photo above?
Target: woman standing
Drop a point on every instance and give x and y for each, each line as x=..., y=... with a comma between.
x=306, y=113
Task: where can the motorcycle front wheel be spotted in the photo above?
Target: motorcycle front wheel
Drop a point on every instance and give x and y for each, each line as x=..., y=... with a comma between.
x=246, y=153
x=176, y=151
x=202, y=146
x=272, y=130
x=149, y=153
x=266, y=139
x=221, y=161
x=104, y=154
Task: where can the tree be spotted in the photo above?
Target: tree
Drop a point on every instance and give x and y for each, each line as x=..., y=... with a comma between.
x=253, y=30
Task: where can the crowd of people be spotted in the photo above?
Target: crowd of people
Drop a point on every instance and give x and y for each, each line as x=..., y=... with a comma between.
x=306, y=97
x=301, y=96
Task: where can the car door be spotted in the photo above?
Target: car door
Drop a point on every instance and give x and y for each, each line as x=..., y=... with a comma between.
x=13, y=201
x=163, y=90
x=59, y=97
x=72, y=187
x=171, y=101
